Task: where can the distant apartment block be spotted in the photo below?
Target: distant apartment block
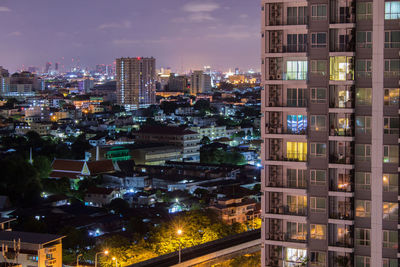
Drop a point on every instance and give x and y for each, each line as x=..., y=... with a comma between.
x=136, y=82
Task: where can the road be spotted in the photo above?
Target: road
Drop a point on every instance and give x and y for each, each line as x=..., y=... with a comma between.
x=201, y=250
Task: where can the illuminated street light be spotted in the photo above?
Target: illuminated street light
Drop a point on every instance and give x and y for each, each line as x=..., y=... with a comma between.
x=105, y=252
x=179, y=232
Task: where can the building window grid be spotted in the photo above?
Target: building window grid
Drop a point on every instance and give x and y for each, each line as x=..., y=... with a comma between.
x=390, y=239
x=318, y=177
x=317, y=204
x=363, y=237
x=363, y=180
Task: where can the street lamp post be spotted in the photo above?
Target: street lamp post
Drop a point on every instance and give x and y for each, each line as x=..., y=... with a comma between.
x=77, y=259
x=105, y=252
x=179, y=232
x=116, y=261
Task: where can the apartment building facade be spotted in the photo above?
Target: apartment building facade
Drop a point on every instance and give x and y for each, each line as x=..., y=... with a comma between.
x=330, y=127
x=136, y=82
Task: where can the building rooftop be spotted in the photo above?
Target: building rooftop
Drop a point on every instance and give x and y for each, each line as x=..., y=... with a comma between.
x=68, y=165
x=165, y=130
x=27, y=237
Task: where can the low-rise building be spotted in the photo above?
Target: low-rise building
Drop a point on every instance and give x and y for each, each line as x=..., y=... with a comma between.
x=100, y=196
x=233, y=210
x=31, y=249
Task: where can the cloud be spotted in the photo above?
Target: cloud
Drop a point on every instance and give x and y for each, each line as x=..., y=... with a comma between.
x=200, y=17
x=201, y=7
x=243, y=16
x=4, y=9
x=15, y=33
x=115, y=25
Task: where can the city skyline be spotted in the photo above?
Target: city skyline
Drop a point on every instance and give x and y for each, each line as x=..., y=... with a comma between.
x=187, y=35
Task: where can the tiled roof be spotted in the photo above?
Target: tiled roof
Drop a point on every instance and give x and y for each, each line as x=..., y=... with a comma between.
x=59, y=175
x=99, y=167
x=68, y=165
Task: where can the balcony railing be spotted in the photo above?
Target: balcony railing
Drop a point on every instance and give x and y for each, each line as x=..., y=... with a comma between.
x=341, y=215
x=285, y=184
x=336, y=159
x=288, y=237
x=286, y=210
x=344, y=243
x=341, y=187
x=299, y=157
x=281, y=130
x=341, y=132
x=344, y=104
x=343, y=47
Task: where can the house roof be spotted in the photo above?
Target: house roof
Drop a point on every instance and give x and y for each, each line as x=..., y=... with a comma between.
x=27, y=237
x=60, y=174
x=99, y=190
x=166, y=130
x=68, y=165
x=101, y=166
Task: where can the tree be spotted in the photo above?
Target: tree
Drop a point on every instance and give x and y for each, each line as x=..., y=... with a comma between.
x=80, y=146
x=205, y=140
x=202, y=105
x=119, y=205
x=43, y=166
x=168, y=107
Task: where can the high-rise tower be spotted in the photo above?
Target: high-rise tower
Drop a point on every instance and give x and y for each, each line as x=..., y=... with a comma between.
x=330, y=127
x=136, y=82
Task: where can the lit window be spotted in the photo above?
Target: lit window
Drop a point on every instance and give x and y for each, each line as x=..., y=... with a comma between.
x=318, y=12
x=363, y=236
x=318, y=177
x=392, y=10
x=391, y=154
x=341, y=68
x=364, y=39
x=390, y=211
x=363, y=180
x=364, y=96
x=295, y=255
x=318, y=231
x=317, y=204
x=296, y=150
x=296, y=124
x=390, y=239
x=390, y=182
x=363, y=208
x=297, y=204
x=318, y=150
x=391, y=97
x=318, y=95
x=318, y=122
x=296, y=70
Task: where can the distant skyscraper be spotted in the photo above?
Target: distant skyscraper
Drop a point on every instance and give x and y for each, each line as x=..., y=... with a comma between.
x=4, y=81
x=47, y=68
x=330, y=128
x=200, y=82
x=136, y=82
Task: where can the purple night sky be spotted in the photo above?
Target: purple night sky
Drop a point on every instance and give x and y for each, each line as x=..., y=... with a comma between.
x=181, y=34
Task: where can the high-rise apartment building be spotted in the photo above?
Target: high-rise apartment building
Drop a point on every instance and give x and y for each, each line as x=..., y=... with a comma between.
x=136, y=82
x=200, y=82
x=330, y=126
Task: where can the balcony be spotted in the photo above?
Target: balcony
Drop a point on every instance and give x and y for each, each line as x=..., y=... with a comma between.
x=342, y=11
x=288, y=237
x=282, y=130
x=296, y=157
x=289, y=210
x=341, y=208
x=342, y=40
